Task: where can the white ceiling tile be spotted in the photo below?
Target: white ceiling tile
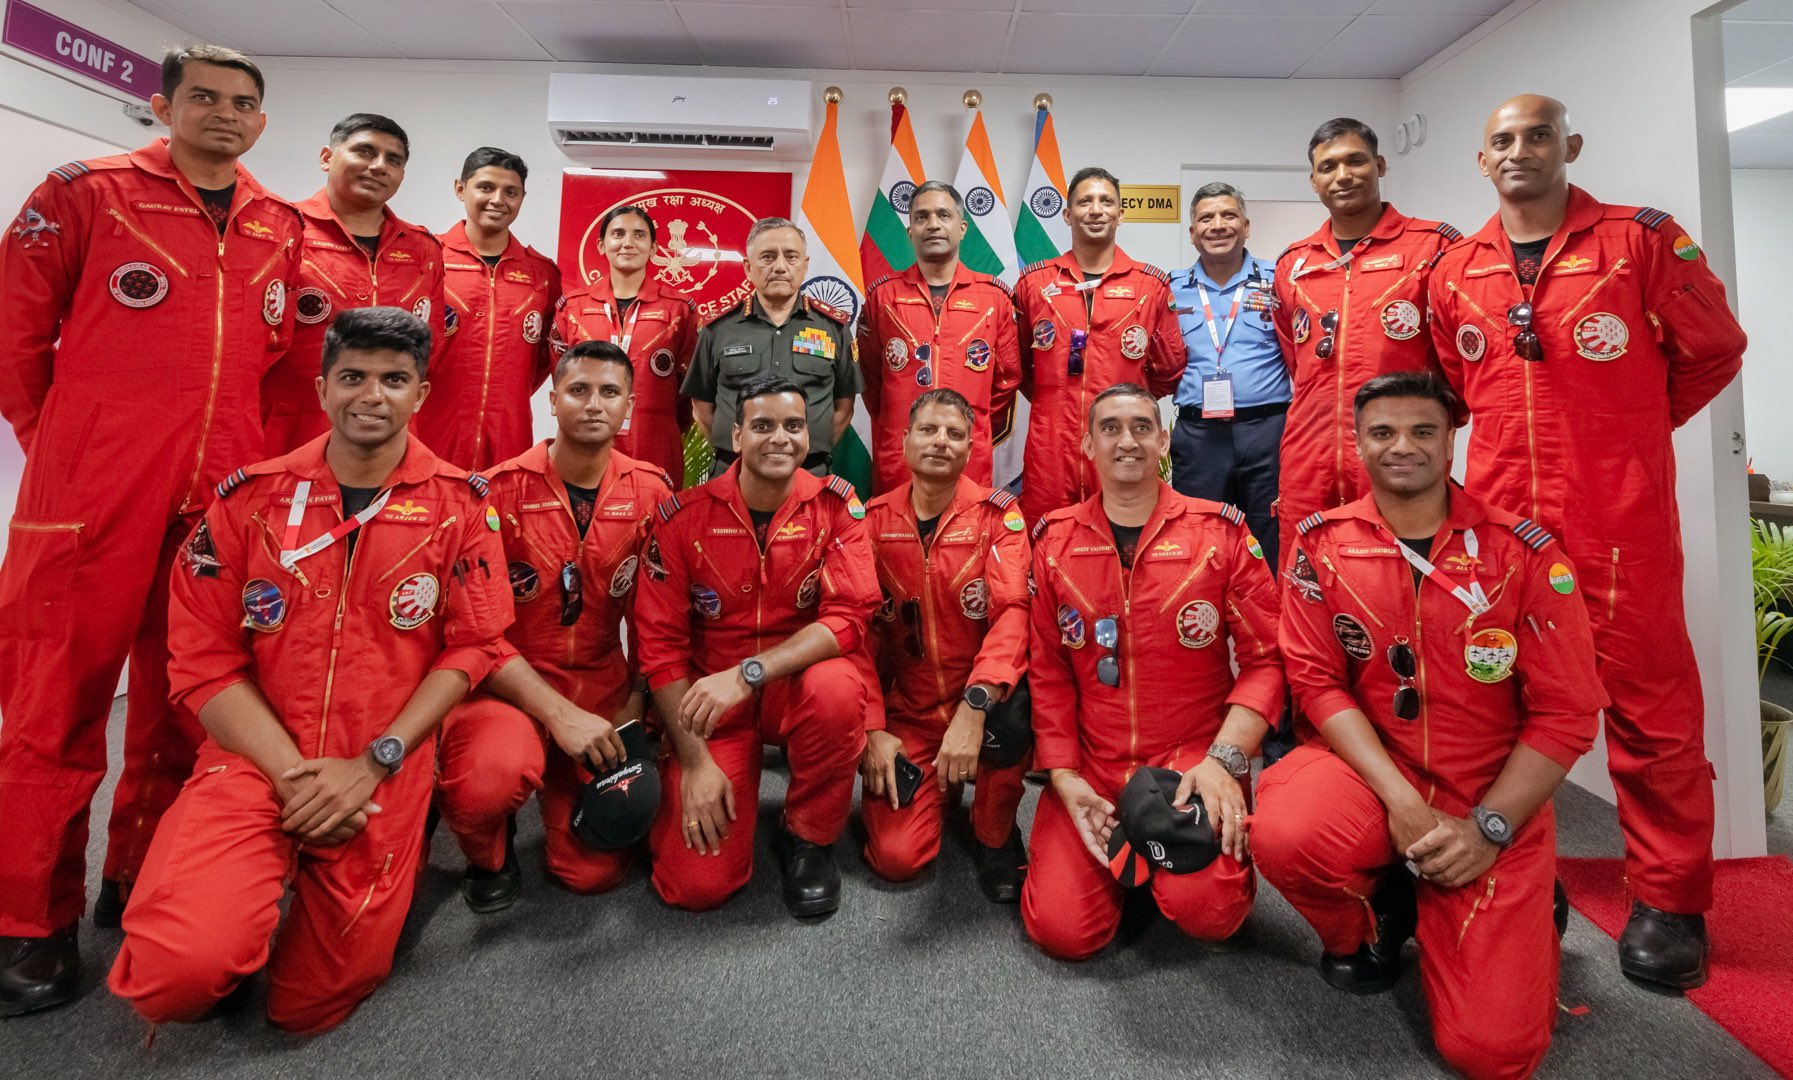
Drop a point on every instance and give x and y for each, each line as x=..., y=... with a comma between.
x=936, y=5
x=1116, y=7
x=1750, y=150
x=1780, y=74
x=615, y=33
x=1766, y=10
x=291, y=28
x=1483, y=8
x=1774, y=125
x=1086, y=44
x=1225, y=45
x=1386, y=46
x=1284, y=7
x=782, y=3
x=1749, y=47
x=200, y=31
x=957, y=41
x=432, y=30
x=731, y=35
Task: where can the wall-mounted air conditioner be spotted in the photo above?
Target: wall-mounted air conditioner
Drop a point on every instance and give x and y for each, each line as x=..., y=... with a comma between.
x=633, y=119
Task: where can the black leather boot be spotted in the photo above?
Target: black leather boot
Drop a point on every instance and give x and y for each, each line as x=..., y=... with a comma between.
x=1002, y=869
x=487, y=891
x=1559, y=909
x=1376, y=967
x=109, y=906
x=38, y=972
x=811, y=879
x=1664, y=948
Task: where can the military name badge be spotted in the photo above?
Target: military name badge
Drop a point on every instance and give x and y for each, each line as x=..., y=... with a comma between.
x=811, y=589
x=1198, y=624
x=974, y=599
x=311, y=305
x=1401, y=320
x=1303, y=579
x=661, y=362
x=1602, y=336
x=977, y=354
x=896, y=354
x=1301, y=324
x=1045, y=332
x=624, y=578
x=1353, y=636
x=532, y=327
x=526, y=583
x=706, y=601
x=1013, y=521
x=138, y=285
x=413, y=601
x=1561, y=579
x=1471, y=342
x=1490, y=654
x=1133, y=341
x=264, y=609
x=273, y=302
x=1070, y=626
x=199, y=554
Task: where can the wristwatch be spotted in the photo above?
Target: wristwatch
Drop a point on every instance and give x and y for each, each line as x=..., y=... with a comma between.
x=1232, y=759
x=389, y=751
x=753, y=673
x=978, y=697
x=1494, y=826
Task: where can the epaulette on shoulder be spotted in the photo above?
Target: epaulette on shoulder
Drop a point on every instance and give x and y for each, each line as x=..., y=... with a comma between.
x=1650, y=217
x=75, y=170
x=1532, y=534
x=1450, y=232
x=1046, y=519
x=828, y=310
x=1285, y=252
x=1310, y=522
x=236, y=479
x=869, y=289
x=999, y=283
x=1232, y=513
x=1032, y=267
x=1152, y=271
x=842, y=487
x=669, y=506
x=1001, y=498
x=479, y=484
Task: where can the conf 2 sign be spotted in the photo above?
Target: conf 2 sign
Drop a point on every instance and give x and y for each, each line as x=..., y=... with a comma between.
x=72, y=48
x=1152, y=202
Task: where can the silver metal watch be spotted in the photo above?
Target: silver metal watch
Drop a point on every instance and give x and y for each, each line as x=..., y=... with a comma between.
x=1232, y=759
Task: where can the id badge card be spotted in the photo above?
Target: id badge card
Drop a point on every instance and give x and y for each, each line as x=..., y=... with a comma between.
x=1217, y=396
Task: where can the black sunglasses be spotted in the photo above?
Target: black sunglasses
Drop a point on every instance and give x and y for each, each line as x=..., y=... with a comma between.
x=1406, y=665
x=1074, y=362
x=911, y=610
x=572, y=593
x=1525, y=342
x=1329, y=322
x=1108, y=637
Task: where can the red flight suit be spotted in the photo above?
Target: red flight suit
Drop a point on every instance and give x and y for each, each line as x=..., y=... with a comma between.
x=969, y=344
x=337, y=274
x=711, y=599
x=1379, y=295
x=493, y=755
x=497, y=321
x=1488, y=950
x=967, y=592
x=337, y=651
x=1637, y=338
x=659, y=333
x=133, y=337
x=1198, y=580
x=1133, y=336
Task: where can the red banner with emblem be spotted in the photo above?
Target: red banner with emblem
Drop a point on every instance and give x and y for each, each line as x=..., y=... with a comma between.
x=701, y=220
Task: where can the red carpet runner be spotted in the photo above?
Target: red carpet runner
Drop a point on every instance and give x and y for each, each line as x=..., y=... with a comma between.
x=1750, y=992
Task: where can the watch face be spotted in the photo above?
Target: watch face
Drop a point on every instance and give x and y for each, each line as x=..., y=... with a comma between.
x=388, y=750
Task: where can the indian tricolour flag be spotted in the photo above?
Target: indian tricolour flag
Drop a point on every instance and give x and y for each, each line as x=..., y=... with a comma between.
x=885, y=247
x=989, y=247
x=826, y=217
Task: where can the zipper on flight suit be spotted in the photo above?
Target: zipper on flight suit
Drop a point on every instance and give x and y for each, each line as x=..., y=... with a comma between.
x=211, y=397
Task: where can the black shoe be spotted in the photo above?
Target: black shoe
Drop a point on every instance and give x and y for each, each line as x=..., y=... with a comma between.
x=1377, y=966
x=1560, y=909
x=38, y=972
x=109, y=906
x=811, y=880
x=1002, y=869
x=1664, y=948
x=487, y=891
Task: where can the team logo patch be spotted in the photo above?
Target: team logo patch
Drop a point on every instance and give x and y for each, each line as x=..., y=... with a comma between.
x=1198, y=624
x=1013, y=521
x=32, y=229
x=855, y=507
x=1045, y=332
x=977, y=354
x=1685, y=248
x=656, y=569
x=624, y=578
x=896, y=354
x=1602, y=336
x=1490, y=654
x=1303, y=579
x=1471, y=342
x=1252, y=545
x=1301, y=324
x=1070, y=626
x=811, y=589
x=705, y=601
x=311, y=305
x=974, y=599
x=661, y=362
x=451, y=320
x=264, y=608
x=421, y=309
x=201, y=557
x=138, y=285
x=532, y=327
x=1353, y=636
x=1133, y=341
x=413, y=601
x=492, y=518
x=1561, y=579
x=1401, y=320
x=526, y=583
x=273, y=302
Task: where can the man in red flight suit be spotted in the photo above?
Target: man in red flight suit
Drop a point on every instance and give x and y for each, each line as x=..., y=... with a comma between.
x=950, y=643
x=657, y=328
x=1137, y=592
x=1408, y=616
x=334, y=604
x=759, y=587
x=144, y=295
x=1350, y=305
x=574, y=515
x=357, y=254
x=936, y=324
x=500, y=296
x=1088, y=319
x=1584, y=333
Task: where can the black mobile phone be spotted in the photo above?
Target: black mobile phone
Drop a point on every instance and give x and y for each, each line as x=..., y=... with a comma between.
x=908, y=780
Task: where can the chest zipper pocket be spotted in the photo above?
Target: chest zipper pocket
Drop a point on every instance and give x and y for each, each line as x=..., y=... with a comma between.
x=1346, y=582
x=1195, y=571
x=419, y=546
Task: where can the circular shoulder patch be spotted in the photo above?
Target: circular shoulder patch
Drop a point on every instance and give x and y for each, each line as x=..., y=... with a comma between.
x=532, y=327
x=1471, y=342
x=273, y=302
x=706, y=601
x=977, y=354
x=896, y=354
x=1685, y=248
x=492, y=518
x=1301, y=324
x=974, y=599
x=1490, y=654
x=264, y=608
x=1013, y=521
x=624, y=578
x=311, y=305
x=1070, y=626
x=526, y=583
x=1045, y=332
x=855, y=507
x=138, y=285
x=1353, y=636
x=1401, y=320
x=1561, y=579
x=810, y=590
x=661, y=362
x=1198, y=624
x=1602, y=336
x=413, y=601
x=421, y=309
x=1133, y=341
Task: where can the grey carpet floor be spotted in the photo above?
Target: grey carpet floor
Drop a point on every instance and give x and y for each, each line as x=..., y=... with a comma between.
x=926, y=979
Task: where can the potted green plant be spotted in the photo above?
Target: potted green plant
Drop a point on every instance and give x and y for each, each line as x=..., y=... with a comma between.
x=1771, y=572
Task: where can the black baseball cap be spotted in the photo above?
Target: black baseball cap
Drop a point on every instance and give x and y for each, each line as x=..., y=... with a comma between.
x=1154, y=835
x=1008, y=729
x=615, y=810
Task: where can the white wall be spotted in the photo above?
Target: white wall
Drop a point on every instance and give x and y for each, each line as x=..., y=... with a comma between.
x=1627, y=70
x=1762, y=200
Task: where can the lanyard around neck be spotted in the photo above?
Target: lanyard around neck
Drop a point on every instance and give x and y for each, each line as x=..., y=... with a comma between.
x=291, y=556
x=1473, y=597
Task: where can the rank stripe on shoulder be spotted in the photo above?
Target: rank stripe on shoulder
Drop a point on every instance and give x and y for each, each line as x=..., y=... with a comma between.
x=841, y=486
x=478, y=484
x=669, y=506
x=1532, y=534
x=1001, y=498
x=1232, y=513
x=231, y=482
x=67, y=173
x=1038, y=528
x=1031, y=267
x=880, y=281
x=1650, y=217
x=1153, y=271
x=1310, y=522
x=1448, y=231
